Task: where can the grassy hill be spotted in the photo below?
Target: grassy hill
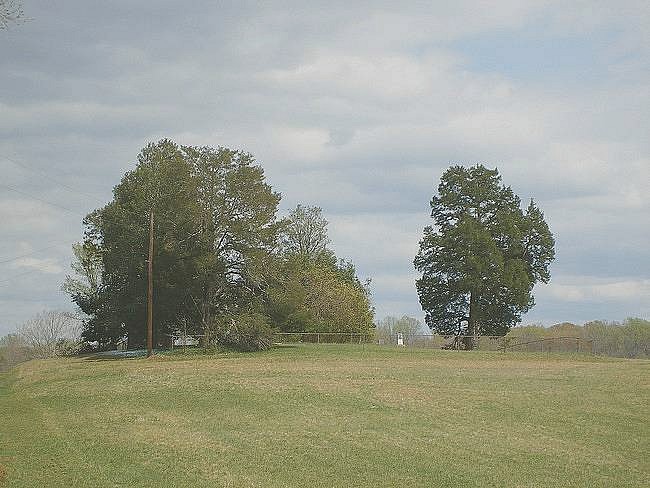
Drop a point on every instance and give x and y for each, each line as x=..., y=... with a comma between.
x=327, y=416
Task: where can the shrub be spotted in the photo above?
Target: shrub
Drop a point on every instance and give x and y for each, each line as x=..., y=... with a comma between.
x=245, y=332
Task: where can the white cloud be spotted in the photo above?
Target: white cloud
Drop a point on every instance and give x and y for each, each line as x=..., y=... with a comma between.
x=47, y=265
x=354, y=106
x=585, y=288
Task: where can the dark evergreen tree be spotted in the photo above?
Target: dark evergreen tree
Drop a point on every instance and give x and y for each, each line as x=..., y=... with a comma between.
x=214, y=223
x=482, y=257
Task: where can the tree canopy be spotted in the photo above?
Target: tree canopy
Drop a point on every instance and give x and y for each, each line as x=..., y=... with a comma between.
x=305, y=233
x=483, y=255
x=223, y=263
x=313, y=290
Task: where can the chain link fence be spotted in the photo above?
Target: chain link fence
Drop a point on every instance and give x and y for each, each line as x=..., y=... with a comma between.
x=324, y=337
x=434, y=341
x=449, y=342
x=516, y=342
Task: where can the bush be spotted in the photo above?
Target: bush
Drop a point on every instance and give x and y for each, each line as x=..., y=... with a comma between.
x=69, y=347
x=630, y=339
x=245, y=332
x=13, y=350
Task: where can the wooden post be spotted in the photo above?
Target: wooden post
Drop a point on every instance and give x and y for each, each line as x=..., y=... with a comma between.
x=184, y=335
x=150, y=290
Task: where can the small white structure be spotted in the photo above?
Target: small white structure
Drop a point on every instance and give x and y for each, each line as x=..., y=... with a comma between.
x=185, y=341
x=400, y=339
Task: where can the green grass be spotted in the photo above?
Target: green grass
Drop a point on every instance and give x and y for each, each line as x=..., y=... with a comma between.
x=327, y=416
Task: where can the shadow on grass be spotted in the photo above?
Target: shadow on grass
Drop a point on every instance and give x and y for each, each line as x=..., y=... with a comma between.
x=179, y=353
x=114, y=355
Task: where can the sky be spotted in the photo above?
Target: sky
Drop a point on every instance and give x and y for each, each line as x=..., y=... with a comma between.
x=356, y=107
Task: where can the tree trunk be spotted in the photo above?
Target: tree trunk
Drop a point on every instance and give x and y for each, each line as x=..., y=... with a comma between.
x=472, y=323
x=206, y=318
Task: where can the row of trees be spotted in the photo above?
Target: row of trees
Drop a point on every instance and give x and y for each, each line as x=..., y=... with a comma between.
x=45, y=335
x=225, y=266
x=629, y=338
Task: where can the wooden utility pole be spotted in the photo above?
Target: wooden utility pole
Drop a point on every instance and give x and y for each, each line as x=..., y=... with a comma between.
x=150, y=290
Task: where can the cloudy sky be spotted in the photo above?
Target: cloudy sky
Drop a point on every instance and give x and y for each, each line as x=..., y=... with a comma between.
x=357, y=107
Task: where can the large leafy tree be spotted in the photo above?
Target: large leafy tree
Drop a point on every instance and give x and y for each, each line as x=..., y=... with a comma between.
x=214, y=223
x=312, y=290
x=237, y=232
x=483, y=255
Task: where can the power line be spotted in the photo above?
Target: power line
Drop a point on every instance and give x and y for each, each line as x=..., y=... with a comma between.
x=9, y=280
x=34, y=270
x=9, y=187
x=33, y=252
x=49, y=177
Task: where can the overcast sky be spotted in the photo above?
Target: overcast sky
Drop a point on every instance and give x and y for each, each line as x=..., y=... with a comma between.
x=357, y=107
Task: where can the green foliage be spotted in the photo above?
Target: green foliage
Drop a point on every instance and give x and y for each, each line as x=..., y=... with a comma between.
x=237, y=232
x=630, y=338
x=305, y=233
x=312, y=290
x=483, y=255
x=215, y=224
x=247, y=331
x=318, y=297
x=219, y=252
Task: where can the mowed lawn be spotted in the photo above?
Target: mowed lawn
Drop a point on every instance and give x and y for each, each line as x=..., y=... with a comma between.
x=328, y=416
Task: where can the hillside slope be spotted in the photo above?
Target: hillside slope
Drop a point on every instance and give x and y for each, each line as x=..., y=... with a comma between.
x=327, y=416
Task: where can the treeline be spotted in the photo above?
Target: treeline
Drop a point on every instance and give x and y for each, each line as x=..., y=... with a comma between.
x=47, y=334
x=226, y=268
x=389, y=327
x=630, y=338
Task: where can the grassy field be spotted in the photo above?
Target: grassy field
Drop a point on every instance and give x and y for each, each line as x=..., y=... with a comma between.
x=327, y=416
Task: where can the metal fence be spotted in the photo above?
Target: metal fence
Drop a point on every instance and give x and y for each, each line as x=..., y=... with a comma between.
x=514, y=343
x=324, y=338
x=434, y=341
x=501, y=343
x=550, y=344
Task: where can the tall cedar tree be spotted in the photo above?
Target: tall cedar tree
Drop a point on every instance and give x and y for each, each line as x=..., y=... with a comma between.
x=482, y=257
